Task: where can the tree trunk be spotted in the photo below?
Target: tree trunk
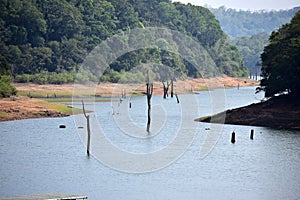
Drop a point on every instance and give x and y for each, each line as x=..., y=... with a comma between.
x=166, y=89
x=88, y=130
x=172, y=88
x=149, y=95
x=88, y=135
x=177, y=98
x=149, y=115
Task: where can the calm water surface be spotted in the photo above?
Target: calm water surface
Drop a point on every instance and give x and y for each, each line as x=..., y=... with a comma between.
x=38, y=157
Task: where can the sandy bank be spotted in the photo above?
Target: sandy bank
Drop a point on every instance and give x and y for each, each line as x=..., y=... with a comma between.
x=116, y=89
x=21, y=107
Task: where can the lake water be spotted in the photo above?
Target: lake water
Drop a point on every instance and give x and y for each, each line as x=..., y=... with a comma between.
x=200, y=162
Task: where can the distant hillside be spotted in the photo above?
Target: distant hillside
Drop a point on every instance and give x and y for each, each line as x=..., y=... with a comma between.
x=238, y=23
x=251, y=49
x=52, y=38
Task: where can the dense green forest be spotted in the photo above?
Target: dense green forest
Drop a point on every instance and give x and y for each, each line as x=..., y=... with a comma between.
x=239, y=23
x=45, y=41
x=281, y=61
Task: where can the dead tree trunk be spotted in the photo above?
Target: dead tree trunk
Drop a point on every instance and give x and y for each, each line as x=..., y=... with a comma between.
x=124, y=93
x=177, y=98
x=166, y=89
x=149, y=95
x=88, y=130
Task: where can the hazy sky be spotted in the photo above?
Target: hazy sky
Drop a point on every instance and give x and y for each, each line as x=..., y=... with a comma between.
x=246, y=4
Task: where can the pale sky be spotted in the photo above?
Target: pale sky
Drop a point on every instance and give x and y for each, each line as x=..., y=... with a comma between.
x=246, y=4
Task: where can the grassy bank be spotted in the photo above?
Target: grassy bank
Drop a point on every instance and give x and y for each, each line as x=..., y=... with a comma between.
x=21, y=107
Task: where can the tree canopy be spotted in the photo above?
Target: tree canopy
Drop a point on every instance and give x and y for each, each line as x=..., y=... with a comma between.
x=281, y=60
x=52, y=37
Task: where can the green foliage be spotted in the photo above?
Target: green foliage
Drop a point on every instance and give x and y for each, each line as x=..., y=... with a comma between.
x=46, y=78
x=281, y=60
x=194, y=21
x=6, y=89
x=251, y=49
x=229, y=59
x=246, y=23
x=45, y=41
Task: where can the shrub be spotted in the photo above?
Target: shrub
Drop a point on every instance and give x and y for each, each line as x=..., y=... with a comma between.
x=6, y=89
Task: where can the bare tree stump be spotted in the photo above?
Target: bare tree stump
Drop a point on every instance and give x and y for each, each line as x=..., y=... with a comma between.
x=88, y=130
x=252, y=134
x=233, y=137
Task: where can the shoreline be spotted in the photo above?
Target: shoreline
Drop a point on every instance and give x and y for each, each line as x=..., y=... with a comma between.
x=38, y=101
x=20, y=107
x=282, y=112
x=188, y=86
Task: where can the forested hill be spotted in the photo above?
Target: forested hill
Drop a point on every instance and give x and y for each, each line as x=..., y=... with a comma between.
x=250, y=31
x=52, y=37
x=239, y=23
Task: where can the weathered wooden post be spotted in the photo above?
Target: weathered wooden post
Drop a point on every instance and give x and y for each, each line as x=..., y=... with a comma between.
x=88, y=130
x=233, y=137
x=251, y=134
x=172, y=88
x=177, y=98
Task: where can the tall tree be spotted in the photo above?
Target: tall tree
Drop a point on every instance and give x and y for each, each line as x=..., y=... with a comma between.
x=281, y=60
